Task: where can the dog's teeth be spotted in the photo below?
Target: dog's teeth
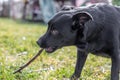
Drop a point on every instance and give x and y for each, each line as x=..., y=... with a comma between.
x=49, y=49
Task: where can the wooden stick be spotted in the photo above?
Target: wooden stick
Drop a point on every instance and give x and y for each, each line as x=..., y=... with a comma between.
x=31, y=60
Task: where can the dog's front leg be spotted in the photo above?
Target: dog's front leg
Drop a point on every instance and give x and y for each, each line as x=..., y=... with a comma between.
x=81, y=58
x=115, y=67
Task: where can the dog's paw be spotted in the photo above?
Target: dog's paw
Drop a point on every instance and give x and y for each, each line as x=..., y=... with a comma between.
x=73, y=77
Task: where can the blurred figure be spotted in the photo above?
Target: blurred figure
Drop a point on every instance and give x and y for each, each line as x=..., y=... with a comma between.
x=73, y=2
x=24, y=9
x=48, y=9
x=36, y=12
x=89, y=2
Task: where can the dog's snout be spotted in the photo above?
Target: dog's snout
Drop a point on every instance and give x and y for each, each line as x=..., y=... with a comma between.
x=38, y=42
x=41, y=43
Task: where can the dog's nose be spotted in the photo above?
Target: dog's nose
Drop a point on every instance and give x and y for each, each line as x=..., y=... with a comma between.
x=38, y=42
x=41, y=44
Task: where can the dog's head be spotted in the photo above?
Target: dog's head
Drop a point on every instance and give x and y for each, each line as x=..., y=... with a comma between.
x=63, y=30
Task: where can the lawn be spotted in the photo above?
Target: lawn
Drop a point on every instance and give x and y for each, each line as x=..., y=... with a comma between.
x=18, y=45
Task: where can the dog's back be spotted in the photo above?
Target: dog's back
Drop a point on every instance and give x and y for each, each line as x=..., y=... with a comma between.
x=104, y=27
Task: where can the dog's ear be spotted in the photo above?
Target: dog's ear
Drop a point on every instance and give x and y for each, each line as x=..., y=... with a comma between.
x=80, y=18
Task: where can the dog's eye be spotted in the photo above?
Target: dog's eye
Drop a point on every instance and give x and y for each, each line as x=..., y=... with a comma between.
x=54, y=32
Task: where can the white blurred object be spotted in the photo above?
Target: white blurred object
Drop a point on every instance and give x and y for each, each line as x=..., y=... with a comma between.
x=22, y=53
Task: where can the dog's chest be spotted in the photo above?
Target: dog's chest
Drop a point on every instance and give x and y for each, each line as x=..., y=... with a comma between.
x=98, y=49
x=101, y=54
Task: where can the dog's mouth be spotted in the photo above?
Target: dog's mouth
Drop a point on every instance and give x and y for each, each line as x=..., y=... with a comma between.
x=50, y=49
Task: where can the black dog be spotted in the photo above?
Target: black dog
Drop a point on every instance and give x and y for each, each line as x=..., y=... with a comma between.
x=94, y=29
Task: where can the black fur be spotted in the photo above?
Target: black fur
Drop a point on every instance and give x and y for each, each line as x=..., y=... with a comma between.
x=94, y=29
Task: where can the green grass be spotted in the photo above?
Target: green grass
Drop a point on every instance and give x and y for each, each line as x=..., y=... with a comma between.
x=18, y=45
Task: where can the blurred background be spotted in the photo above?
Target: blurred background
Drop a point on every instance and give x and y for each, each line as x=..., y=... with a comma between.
x=22, y=22
x=40, y=10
